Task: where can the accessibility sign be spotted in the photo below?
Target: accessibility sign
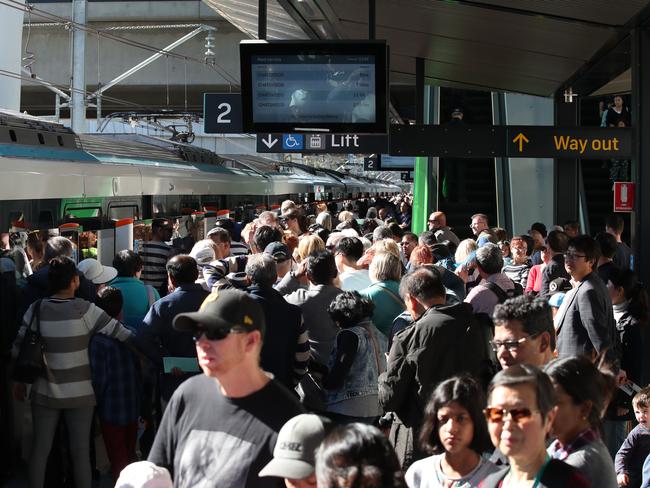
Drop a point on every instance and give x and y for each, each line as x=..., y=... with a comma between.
x=467, y=141
x=321, y=143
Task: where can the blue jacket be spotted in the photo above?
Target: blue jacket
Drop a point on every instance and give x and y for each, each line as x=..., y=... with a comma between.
x=157, y=338
x=362, y=380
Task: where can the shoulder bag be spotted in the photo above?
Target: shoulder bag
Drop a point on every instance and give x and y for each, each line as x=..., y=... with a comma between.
x=30, y=364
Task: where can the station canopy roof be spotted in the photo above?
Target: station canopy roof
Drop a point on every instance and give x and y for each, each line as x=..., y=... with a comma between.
x=528, y=46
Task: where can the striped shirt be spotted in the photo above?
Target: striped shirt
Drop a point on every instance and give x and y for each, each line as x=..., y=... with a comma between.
x=66, y=327
x=238, y=249
x=155, y=255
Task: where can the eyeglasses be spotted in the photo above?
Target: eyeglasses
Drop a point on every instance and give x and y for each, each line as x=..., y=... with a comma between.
x=216, y=334
x=572, y=255
x=511, y=346
x=498, y=415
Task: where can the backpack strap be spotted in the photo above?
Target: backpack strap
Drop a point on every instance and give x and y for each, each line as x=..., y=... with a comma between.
x=496, y=289
x=390, y=293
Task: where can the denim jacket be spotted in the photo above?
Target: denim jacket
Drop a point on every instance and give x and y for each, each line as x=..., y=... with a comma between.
x=362, y=379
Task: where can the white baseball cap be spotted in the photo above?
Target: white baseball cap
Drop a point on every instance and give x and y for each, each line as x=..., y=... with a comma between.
x=96, y=272
x=144, y=474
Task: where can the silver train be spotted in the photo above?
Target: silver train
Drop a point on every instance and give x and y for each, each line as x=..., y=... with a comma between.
x=50, y=175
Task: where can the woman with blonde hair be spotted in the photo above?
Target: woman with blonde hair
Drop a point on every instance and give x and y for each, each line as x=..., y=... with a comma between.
x=309, y=245
x=385, y=273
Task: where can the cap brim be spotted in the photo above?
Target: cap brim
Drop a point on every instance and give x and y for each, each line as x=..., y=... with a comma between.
x=107, y=275
x=287, y=468
x=188, y=322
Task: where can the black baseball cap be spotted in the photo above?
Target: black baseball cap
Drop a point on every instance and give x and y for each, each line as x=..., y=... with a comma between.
x=223, y=310
x=278, y=250
x=559, y=285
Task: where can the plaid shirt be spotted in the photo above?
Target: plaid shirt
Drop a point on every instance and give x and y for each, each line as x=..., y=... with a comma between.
x=557, y=451
x=116, y=380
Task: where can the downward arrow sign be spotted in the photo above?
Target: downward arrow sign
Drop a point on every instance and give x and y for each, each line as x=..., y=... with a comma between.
x=270, y=141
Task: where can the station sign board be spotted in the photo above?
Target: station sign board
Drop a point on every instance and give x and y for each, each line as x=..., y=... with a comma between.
x=467, y=141
x=321, y=143
x=578, y=142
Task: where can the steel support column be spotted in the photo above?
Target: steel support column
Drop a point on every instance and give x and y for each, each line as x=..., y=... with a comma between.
x=640, y=65
x=566, y=186
x=78, y=92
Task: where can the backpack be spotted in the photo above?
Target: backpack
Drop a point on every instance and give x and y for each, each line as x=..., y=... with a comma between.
x=501, y=294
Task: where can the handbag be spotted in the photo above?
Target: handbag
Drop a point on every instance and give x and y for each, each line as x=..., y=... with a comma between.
x=30, y=364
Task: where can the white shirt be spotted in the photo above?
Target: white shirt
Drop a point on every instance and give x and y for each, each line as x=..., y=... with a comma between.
x=355, y=280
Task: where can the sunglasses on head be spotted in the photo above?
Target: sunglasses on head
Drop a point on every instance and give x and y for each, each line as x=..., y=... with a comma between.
x=498, y=415
x=216, y=334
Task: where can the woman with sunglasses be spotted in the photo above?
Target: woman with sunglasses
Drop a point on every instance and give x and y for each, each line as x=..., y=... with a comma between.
x=520, y=413
x=582, y=393
x=455, y=434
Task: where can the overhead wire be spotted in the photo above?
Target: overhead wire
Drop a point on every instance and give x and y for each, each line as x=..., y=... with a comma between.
x=17, y=5
x=20, y=76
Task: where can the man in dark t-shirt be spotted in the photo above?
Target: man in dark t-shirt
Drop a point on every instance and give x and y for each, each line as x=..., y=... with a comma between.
x=220, y=428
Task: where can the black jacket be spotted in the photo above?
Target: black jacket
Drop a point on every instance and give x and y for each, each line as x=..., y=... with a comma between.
x=445, y=341
x=554, y=269
x=283, y=328
x=632, y=357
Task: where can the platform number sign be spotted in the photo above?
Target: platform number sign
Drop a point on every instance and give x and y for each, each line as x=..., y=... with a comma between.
x=371, y=163
x=222, y=113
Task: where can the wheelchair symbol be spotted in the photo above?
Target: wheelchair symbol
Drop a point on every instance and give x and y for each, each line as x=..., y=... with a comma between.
x=292, y=141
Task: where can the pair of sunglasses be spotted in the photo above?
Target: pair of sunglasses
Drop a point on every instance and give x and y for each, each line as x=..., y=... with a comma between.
x=216, y=334
x=498, y=415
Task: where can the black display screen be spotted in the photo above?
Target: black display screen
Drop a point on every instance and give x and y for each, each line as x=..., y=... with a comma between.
x=340, y=87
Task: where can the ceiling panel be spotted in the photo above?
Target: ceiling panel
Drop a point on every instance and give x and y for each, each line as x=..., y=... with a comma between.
x=602, y=11
x=243, y=15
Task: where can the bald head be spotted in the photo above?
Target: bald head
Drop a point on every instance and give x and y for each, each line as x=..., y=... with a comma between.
x=437, y=220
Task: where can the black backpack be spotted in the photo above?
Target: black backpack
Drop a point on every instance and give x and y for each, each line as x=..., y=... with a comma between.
x=501, y=294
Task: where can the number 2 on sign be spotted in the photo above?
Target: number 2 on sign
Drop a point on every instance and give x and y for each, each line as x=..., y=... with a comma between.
x=226, y=110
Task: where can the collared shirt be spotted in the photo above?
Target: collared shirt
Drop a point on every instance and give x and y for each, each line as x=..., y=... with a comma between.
x=557, y=451
x=116, y=380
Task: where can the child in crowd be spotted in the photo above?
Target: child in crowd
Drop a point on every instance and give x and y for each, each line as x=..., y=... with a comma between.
x=635, y=449
x=116, y=381
x=455, y=432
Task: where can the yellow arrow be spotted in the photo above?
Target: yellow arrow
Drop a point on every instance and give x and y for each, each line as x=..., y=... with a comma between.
x=521, y=138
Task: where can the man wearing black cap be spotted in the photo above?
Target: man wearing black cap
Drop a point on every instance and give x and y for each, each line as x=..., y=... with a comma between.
x=220, y=427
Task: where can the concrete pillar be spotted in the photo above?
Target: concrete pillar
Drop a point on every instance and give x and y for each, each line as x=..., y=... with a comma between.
x=11, y=26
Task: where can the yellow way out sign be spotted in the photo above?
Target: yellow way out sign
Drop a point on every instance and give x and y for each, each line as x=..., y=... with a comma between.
x=555, y=142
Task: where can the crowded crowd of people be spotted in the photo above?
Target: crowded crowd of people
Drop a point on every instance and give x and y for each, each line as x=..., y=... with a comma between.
x=331, y=346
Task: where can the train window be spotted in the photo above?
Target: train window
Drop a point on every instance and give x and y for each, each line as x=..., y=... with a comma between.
x=81, y=212
x=12, y=135
x=41, y=139
x=123, y=211
x=60, y=140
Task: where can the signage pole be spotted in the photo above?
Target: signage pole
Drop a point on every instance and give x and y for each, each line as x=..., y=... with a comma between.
x=372, y=20
x=422, y=177
x=261, y=19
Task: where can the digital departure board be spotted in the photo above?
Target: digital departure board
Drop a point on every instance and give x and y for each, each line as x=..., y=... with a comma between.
x=336, y=87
